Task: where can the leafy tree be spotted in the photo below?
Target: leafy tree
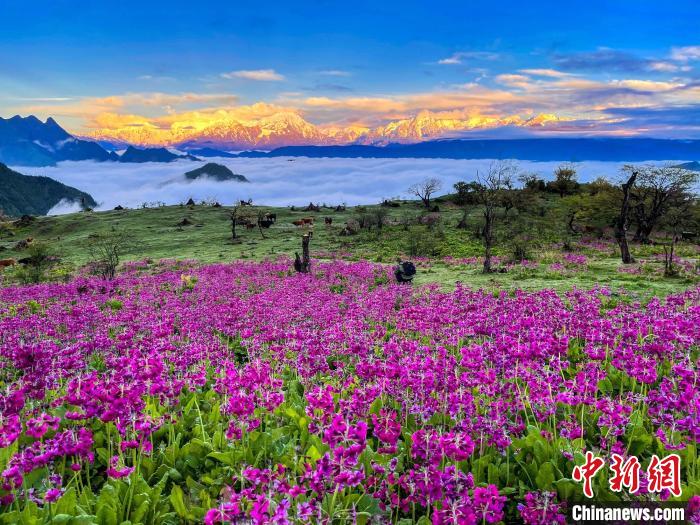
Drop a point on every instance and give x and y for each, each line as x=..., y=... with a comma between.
x=532, y=182
x=564, y=182
x=657, y=190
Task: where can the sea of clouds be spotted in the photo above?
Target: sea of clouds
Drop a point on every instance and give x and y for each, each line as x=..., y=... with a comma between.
x=279, y=181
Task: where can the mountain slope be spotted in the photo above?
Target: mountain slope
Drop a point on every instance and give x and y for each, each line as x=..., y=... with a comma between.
x=692, y=166
x=571, y=149
x=27, y=195
x=216, y=172
x=133, y=154
x=30, y=142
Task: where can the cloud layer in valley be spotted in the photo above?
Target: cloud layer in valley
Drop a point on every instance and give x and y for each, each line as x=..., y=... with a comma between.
x=278, y=181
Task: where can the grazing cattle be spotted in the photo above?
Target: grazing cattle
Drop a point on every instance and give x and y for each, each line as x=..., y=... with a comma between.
x=328, y=220
x=308, y=220
x=688, y=236
x=298, y=223
x=249, y=202
x=265, y=223
x=5, y=263
x=24, y=244
x=271, y=217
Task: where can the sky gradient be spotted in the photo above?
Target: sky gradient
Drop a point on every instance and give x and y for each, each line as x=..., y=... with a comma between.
x=576, y=68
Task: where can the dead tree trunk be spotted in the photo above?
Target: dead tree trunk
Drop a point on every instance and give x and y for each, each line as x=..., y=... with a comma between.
x=488, y=237
x=621, y=223
x=303, y=264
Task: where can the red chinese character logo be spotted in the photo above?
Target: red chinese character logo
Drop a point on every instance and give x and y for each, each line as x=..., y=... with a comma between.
x=665, y=474
x=625, y=474
x=586, y=472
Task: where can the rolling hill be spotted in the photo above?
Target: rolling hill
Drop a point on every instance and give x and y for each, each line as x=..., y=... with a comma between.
x=27, y=195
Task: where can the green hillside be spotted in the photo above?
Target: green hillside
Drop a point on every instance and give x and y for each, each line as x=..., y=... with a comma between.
x=26, y=195
x=203, y=232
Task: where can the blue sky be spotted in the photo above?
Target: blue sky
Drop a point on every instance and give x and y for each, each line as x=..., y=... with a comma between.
x=609, y=66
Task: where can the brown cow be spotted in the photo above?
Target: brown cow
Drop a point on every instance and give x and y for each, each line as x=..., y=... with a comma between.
x=308, y=220
x=298, y=223
x=249, y=225
x=5, y=263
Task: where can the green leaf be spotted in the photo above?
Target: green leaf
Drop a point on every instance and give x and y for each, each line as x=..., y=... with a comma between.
x=545, y=476
x=177, y=498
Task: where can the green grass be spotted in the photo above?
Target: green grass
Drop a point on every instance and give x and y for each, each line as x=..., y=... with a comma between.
x=156, y=235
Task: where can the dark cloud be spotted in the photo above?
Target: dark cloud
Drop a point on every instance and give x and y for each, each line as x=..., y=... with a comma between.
x=687, y=116
x=603, y=59
x=325, y=86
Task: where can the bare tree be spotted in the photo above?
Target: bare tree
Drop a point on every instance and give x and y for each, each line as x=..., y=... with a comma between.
x=622, y=221
x=674, y=223
x=657, y=190
x=426, y=189
x=489, y=191
x=106, y=250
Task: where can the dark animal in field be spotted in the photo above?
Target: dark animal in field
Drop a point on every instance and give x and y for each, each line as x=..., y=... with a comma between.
x=51, y=259
x=328, y=220
x=216, y=205
x=190, y=202
x=688, y=236
x=298, y=223
x=340, y=208
x=265, y=223
x=24, y=244
x=308, y=220
x=405, y=271
x=24, y=220
x=271, y=217
x=250, y=226
x=6, y=263
x=249, y=202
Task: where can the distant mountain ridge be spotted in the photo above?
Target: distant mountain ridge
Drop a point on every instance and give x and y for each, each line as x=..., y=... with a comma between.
x=692, y=166
x=133, y=154
x=543, y=149
x=29, y=195
x=30, y=142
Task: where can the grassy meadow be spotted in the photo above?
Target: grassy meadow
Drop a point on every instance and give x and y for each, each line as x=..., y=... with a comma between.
x=445, y=254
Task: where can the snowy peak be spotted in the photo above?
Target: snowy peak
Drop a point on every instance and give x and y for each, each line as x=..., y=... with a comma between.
x=285, y=128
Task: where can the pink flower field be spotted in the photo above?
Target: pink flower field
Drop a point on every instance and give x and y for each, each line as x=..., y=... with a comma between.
x=246, y=393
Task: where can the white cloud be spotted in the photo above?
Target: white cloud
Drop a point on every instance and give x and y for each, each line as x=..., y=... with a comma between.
x=461, y=56
x=64, y=206
x=264, y=75
x=335, y=73
x=276, y=181
x=684, y=54
x=552, y=73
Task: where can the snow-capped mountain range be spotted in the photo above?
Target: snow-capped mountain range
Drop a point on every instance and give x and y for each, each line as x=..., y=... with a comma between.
x=287, y=128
